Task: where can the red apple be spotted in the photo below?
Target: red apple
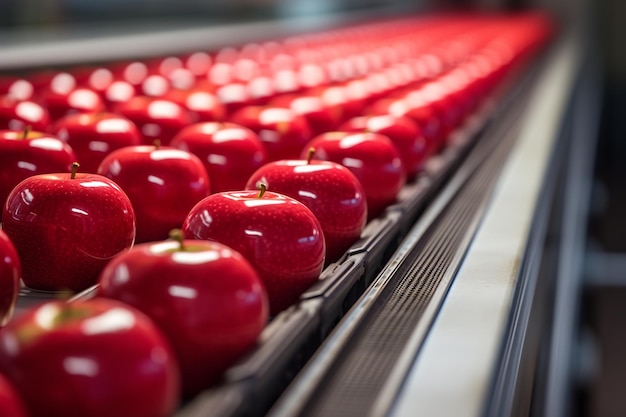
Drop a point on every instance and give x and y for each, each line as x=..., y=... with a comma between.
x=95, y=135
x=134, y=73
x=98, y=79
x=286, y=81
x=10, y=403
x=163, y=184
x=334, y=98
x=202, y=105
x=41, y=79
x=62, y=97
x=278, y=235
x=371, y=157
x=156, y=118
x=17, y=114
x=205, y=297
x=164, y=65
x=321, y=118
x=24, y=153
x=230, y=153
x=95, y=358
x=415, y=107
x=261, y=89
x=155, y=85
x=284, y=133
x=198, y=63
x=329, y=190
x=233, y=96
x=118, y=93
x=182, y=79
x=10, y=274
x=17, y=88
x=66, y=227
x=403, y=132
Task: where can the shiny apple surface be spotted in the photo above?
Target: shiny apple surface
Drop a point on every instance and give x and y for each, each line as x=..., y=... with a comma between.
x=156, y=118
x=328, y=189
x=18, y=114
x=230, y=153
x=278, y=235
x=27, y=153
x=96, y=358
x=372, y=158
x=10, y=274
x=205, y=297
x=66, y=229
x=163, y=184
x=284, y=133
x=93, y=136
x=10, y=403
x=403, y=132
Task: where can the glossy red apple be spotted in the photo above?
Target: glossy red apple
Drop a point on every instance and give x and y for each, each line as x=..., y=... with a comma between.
x=261, y=90
x=329, y=190
x=403, y=132
x=98, y=79
x=134, y=73
x=63, y=97
x=24, y=153
x=278, y=235
x=10, y=274
x=66, y=227
x=198, y=63
x=163, y=184
x=95, y=358
x=17, y=88
x=205, y=297
x=284, y=133
x=202, y=105
x=118, y=93
x=17, y=114
x=155, y=85
x=230, y=153
x=321, y=118
x=415, y=107
x=93, y=136
x=371, y=157
x=156, y=118
x=233, y=96
x=10, y=403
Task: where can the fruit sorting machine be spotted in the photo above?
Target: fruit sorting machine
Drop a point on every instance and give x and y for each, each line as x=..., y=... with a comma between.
x=443, y=304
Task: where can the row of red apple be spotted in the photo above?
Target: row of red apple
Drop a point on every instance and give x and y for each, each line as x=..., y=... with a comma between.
x=205, y=303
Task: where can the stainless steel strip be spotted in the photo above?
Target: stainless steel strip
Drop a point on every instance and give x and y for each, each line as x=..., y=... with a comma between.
x=452, y=374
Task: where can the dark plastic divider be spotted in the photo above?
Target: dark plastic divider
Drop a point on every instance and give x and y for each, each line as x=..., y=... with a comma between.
x=251, y=386
x=379, y=239
x=339, y=287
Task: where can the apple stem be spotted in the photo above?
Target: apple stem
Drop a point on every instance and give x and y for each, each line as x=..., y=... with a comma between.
x=309, y=155
x=69, y=312
x=157, y=143
x=75, y=166
x=262, y=187
x=26, y=132
x=178, y=236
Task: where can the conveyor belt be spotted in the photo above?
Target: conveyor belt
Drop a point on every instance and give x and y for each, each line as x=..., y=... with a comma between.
x=351, y=370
